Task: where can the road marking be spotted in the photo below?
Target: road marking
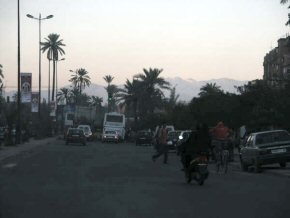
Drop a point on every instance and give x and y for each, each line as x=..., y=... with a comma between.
x=10, y=165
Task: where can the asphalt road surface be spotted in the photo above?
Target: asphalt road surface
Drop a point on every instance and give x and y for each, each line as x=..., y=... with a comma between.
x=121, y=181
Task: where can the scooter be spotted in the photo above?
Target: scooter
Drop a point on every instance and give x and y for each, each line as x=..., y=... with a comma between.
x=197, y=170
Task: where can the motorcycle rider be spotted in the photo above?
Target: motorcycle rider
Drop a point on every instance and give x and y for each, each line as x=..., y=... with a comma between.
x=198, y=142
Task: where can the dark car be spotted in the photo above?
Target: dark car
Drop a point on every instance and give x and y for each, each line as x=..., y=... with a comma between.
x=266, y=147
x=75, y=135
x=144, y=137
x=172, y=138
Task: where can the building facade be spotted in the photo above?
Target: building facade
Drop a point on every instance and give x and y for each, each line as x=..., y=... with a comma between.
x=277, y=64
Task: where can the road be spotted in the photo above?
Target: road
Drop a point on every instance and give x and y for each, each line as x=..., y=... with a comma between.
x=121, y=181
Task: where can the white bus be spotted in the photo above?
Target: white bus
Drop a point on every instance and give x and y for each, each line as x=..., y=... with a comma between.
x=114, y=121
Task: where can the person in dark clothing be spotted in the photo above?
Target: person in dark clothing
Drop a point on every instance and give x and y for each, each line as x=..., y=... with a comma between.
x=198, y=142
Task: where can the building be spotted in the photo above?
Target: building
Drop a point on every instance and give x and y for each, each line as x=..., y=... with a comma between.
x=277, y=64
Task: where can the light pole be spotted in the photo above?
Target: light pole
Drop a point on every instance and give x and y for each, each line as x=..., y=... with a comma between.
x=56, y=76
x=18, y=128
x=39, y=76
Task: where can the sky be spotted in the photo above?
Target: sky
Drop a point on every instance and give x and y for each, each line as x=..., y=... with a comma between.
x=190, y=39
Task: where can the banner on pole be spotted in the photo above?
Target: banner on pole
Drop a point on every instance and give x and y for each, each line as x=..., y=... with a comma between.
x=25, y=87
x=52, y=108
x=34, y=102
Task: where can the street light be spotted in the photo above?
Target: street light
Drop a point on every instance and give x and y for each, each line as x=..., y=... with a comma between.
x=39, y=77
x=56, y=74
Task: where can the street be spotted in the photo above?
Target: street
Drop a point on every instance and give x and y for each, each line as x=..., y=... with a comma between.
x=110, y=180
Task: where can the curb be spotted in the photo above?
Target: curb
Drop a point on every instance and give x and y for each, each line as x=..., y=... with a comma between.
x=10, y=151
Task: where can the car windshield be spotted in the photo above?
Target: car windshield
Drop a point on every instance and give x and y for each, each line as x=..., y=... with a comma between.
x=110, y=132
x=271, y=137
x=75, y=131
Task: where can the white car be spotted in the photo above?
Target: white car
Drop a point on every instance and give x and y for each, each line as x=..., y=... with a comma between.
x=87, y=131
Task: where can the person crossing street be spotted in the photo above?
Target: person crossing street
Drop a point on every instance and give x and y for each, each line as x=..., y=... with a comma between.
x=162, y=138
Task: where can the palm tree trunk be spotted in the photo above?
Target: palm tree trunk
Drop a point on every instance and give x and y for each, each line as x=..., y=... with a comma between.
x=48, y=80
x=53, y=81
x=135, y=113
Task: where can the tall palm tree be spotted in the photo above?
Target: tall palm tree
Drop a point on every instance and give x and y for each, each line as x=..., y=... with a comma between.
x=210, y=89
x=63, y=95
x=112, y=91
x=129, y=96
x=53, y=46
x=153, y=86
x=80, y=79
x=108, y=79
x=1, y=79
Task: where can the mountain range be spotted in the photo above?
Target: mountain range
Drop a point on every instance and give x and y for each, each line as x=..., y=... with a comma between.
x=185, y=88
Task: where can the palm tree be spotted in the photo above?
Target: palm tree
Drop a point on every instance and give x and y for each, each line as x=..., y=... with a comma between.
x=63, y=95
x=283, y=1
x=153, y=85
x=80, y=79
x=108, y=79
x=1, y=79
x=210, y=89
x=112, y=91
x=53, y=46
x=129, y=96
x=96, y=101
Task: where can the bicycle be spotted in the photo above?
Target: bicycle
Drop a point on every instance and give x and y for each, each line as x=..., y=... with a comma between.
x=222, y=156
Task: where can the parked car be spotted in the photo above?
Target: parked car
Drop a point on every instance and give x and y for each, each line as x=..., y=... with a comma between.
x=266, y=147
x=87, y=131
x=75, y=135
x=172, y=138
x=111, y=136
x=144, y=137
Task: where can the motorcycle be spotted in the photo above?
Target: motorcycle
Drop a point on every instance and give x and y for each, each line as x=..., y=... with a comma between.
x=197, y=170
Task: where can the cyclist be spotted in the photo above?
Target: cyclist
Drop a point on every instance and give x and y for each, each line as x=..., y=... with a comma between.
x=220, y=136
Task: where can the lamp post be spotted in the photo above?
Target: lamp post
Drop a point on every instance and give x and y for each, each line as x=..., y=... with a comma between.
x=39, y=77
x=18, y=128
x=56, y=76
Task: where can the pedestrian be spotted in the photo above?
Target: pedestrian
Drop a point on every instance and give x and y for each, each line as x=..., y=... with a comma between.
x=163, y=150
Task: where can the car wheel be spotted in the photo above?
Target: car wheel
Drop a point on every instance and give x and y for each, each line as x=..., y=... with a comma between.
x=283, y=164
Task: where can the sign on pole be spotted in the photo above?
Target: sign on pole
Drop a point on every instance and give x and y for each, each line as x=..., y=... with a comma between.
x=25, y=87
x=52, y=108
x=34, y=102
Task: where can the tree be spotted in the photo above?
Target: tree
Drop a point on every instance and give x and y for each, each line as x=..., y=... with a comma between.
x=96, y=101
x=210, y=89
x=283, y=1
x=63, y=95
x=80, y=79
x=152, y=86
x=129, y=95
x=1, y=79
x=53, y=46
x=112, y=91
x=108, y=79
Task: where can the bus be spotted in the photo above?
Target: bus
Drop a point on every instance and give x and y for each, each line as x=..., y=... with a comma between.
x=114, y=121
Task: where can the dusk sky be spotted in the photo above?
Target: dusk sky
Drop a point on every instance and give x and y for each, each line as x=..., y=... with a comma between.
x=187, y=38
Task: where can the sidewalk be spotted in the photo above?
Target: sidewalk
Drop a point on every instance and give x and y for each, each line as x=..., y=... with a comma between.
x=9, y=151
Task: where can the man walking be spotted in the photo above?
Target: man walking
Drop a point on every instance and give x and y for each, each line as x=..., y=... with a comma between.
x=162, y=138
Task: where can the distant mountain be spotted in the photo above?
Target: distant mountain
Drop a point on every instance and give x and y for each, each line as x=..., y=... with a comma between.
x=186, y=88
x=189, y=88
